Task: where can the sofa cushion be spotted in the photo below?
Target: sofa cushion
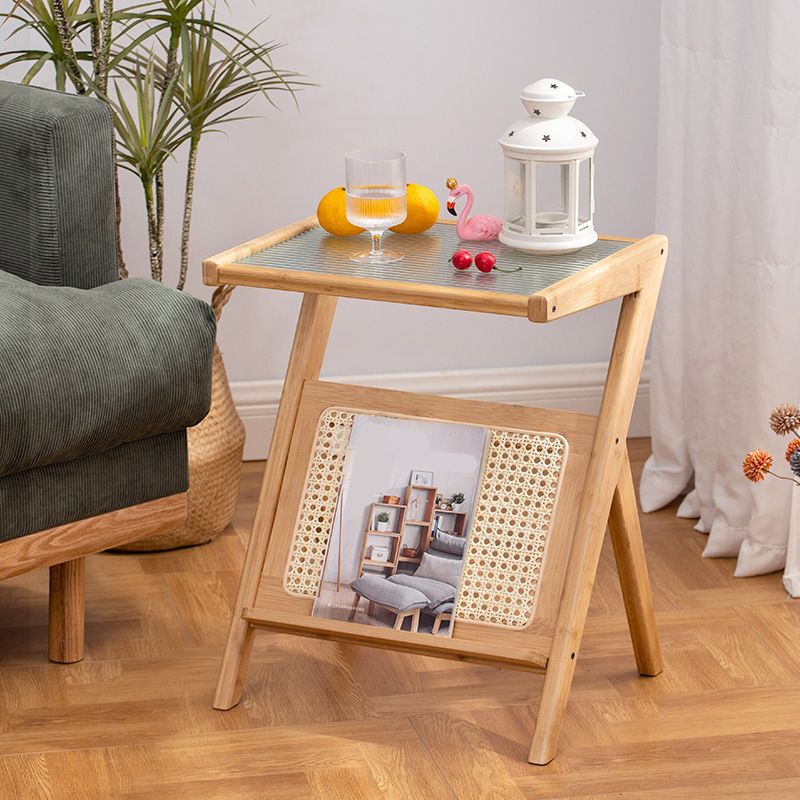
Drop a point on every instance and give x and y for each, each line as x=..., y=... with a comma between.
x=85, y=371
x=392, y=595
x=446, y=570
x=56, y=494
x=447, y=543
x=436, y=591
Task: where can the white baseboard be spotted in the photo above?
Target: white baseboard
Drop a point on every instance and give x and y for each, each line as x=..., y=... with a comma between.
x=573, y=387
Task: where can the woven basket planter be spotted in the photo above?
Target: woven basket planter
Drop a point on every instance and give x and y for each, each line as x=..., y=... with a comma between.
x=216, y=446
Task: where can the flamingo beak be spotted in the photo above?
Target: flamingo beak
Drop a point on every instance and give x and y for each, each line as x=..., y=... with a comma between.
x=451, y=206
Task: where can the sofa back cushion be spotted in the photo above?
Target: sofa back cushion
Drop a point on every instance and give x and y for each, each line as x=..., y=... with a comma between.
x=57, y=200
x=447, y=543
x=446, y=570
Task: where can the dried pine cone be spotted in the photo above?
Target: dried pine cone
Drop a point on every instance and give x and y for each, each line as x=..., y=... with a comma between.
x=784, y=418
x=794, y=463
x=756, y=464
x=792, y=447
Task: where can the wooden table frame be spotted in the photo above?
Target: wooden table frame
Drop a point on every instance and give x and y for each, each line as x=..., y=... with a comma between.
x=607, y=499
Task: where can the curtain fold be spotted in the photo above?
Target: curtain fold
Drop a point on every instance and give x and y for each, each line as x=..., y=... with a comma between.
x=725, y=340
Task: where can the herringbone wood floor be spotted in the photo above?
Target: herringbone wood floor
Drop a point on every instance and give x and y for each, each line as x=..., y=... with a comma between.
x=320, y=720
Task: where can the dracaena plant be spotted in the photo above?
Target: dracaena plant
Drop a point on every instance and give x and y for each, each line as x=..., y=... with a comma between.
x=171, y=71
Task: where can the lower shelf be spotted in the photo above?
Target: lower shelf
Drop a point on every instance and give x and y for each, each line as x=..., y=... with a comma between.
x=390, y=639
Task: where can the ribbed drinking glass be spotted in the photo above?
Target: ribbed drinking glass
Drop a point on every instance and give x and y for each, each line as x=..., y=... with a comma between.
x=376, y=197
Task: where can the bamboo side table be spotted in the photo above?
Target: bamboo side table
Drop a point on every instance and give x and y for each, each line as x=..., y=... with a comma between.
x=301, y=258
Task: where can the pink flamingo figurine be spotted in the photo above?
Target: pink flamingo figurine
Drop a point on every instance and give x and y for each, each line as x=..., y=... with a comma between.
x=480, y=228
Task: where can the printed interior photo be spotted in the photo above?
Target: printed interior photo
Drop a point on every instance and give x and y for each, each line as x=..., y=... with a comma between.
x=402, y=523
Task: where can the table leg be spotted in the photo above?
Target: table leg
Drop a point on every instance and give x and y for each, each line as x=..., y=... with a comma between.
x=305, y=363
x=626, y=536
x=602, y=475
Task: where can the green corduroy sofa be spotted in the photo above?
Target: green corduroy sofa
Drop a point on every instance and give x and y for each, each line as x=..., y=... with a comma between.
x=99, y=377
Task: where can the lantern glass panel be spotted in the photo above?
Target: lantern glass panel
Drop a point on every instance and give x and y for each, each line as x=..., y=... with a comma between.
x=515, y=194
x=584, y=191
x=552, y=193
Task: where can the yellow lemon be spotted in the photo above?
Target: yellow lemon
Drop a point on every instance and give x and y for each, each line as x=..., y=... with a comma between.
x=332, y=215
x=423, y=210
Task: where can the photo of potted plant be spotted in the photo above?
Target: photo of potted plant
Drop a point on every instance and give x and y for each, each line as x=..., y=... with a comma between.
x=382, y=522
x=456, y=500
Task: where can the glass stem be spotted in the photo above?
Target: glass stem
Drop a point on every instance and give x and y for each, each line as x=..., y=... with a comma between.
x=376, y=244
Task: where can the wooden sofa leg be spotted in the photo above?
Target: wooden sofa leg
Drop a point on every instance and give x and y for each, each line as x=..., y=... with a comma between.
x=415, y=621
x=65, y=629
x=354, y=608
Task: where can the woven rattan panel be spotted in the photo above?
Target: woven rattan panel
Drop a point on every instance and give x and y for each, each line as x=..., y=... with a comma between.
x=512, y=521
x=315, y=520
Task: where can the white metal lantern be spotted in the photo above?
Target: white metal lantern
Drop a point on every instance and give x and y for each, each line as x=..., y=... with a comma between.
x=549, y=173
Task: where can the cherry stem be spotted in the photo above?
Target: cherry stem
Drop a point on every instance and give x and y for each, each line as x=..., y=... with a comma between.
x=500, y=269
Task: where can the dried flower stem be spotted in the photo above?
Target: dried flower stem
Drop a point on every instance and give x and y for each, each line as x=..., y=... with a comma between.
x=782, y=477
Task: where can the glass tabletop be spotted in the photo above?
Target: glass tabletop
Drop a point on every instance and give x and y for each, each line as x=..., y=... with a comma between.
x=427, y=262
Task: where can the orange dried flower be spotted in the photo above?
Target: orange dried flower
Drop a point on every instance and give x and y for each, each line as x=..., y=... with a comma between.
x=756, y=464
x=784, y=418
x=792, y=447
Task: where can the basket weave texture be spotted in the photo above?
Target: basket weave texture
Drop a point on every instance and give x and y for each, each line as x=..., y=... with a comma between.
x=216, y=446
x=215, y=467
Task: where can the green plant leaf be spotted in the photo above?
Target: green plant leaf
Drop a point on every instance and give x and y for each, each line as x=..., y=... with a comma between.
x=34, y=70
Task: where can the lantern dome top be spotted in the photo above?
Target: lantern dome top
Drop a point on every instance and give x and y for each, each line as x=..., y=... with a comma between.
x=549, y=98
x=549, y=131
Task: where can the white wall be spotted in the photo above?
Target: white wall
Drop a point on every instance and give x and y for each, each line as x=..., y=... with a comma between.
x=382, y=453
x=440, y=80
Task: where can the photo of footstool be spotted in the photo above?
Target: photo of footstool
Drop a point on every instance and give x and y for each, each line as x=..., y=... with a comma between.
x=402, y=600
x=444, y=613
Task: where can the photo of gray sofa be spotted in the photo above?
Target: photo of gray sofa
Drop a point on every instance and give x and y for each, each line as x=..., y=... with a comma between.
x=430, y=589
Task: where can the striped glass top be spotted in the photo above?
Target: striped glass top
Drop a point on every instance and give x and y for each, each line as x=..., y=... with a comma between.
x=426, y=260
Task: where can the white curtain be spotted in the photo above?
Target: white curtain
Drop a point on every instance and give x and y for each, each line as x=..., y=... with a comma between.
x=727, y=333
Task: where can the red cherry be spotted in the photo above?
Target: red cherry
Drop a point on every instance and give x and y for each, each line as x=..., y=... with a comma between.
x=461, y=259
x=485, y=262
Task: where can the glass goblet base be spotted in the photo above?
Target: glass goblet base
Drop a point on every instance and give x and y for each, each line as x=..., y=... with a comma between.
x=383, y=257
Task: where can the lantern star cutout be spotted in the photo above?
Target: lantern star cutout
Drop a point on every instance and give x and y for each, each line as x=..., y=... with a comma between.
x=583, y=133
x=536, y=111
x=554, y=86
x=511, y=133
x=546, y=138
